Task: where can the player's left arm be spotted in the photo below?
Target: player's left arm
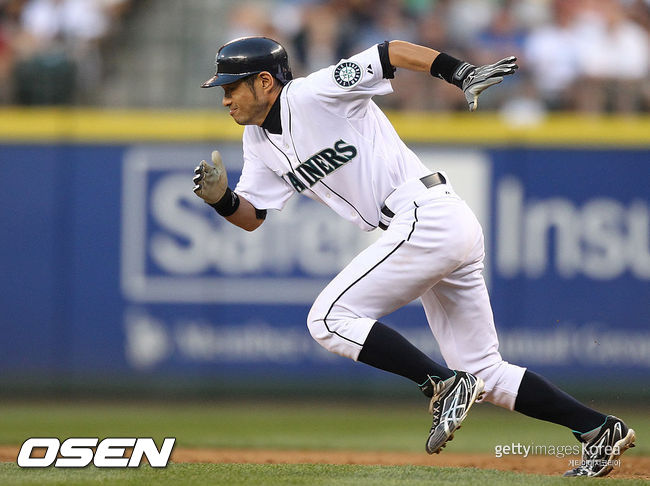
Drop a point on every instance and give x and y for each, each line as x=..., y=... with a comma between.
x=211, y=185
x=473, y=80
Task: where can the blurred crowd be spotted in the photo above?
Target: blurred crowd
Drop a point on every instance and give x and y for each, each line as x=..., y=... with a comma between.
x=581, y=55
x=51, y=50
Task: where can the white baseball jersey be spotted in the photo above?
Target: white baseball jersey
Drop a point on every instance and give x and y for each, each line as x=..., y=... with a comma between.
x=338, y=148
x=351, y=162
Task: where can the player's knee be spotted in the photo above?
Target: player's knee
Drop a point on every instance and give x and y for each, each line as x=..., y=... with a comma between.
x=337, y=329
x=317, y=327
x=323, y=319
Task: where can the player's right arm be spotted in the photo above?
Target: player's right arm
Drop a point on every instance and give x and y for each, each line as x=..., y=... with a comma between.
x=473, y=80
x=211, y=185
x=410, y=56
x=367, y=74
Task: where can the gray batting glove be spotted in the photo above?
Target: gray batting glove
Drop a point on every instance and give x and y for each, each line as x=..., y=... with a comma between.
x=211, y=182
x=475, y=80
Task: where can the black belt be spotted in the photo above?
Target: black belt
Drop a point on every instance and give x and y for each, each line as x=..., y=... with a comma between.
x=429, y=181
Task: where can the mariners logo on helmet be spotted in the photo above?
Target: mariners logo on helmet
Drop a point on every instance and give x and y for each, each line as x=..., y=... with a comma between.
x=347, y=74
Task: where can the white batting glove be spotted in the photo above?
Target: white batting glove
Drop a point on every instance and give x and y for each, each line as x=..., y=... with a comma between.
x=475, y=80
x=211, y=182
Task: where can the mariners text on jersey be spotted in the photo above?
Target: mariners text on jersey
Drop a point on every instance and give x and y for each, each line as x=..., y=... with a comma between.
x=335, y=146
x=320, y=164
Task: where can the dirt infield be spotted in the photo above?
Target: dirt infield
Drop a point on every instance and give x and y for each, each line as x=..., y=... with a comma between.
x=631, y=467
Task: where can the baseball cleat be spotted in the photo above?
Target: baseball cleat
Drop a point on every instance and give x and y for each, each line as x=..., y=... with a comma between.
x=452, y=399
x=602, y=447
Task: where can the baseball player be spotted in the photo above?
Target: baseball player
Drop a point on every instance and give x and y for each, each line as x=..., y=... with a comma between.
x=324, y=137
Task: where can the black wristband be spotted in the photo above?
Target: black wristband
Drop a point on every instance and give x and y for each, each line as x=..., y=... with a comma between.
x=228, y=204
x=450, y=69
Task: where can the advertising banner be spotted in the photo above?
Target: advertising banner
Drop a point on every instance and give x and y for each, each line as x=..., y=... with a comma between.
x=112, y=265
x=570, y=250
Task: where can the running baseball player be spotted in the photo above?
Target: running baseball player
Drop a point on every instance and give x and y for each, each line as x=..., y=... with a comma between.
x=324, y=137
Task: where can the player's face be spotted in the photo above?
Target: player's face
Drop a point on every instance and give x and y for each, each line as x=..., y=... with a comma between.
x=246, y=102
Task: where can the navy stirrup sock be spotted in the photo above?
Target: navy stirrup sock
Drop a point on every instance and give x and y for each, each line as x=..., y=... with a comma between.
x=388, y=350
x=542, y=400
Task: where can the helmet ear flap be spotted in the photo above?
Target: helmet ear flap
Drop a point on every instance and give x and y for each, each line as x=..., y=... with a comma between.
x=285, y=73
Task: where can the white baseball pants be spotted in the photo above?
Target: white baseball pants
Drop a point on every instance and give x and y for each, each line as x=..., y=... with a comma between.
x=433, y=249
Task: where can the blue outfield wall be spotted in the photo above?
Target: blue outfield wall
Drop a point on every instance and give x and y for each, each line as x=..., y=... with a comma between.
x=112, y=267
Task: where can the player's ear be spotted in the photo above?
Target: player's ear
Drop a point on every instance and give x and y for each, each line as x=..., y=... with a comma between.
x=267, y=81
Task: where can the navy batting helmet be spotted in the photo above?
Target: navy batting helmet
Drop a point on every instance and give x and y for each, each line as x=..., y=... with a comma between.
x=242, y=57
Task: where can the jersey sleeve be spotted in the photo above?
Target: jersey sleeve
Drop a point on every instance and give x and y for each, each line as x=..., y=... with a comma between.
x=259, y=185
x=348, y=86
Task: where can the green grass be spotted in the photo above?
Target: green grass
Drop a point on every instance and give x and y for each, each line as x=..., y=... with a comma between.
x=304, y=425
x=284, y=474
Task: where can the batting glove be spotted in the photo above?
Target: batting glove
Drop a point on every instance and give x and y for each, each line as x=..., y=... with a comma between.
x=474, y=80
x=211, y=182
